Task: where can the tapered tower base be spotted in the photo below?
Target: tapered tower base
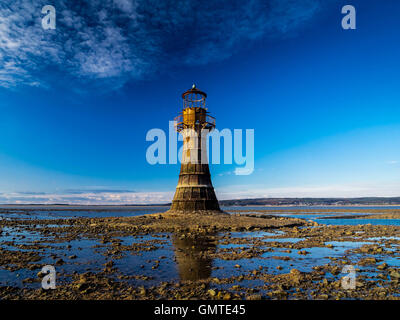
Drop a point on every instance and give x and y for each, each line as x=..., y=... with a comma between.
x=195, y=191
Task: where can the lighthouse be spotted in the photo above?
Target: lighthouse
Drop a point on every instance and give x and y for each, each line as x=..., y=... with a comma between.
x=194, y=192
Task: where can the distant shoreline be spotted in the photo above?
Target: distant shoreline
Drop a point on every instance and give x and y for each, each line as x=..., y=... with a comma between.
x=315, y=206
x=128, y=207
x=255, y=202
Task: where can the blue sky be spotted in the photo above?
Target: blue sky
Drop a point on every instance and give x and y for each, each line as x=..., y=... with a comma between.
x=76, y=102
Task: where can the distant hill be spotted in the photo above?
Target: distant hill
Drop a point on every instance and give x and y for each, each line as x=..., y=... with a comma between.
x=364, y=201
x=312, y=201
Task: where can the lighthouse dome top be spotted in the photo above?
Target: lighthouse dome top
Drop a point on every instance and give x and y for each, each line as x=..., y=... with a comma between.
x=192, y=91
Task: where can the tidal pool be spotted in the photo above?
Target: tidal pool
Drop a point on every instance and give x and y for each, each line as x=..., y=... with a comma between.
x=151, y=259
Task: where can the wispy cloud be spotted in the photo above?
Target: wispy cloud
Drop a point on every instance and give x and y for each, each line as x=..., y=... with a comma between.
x=94, y=197
x=118, y=40
x=104, y=196
x=96, y=191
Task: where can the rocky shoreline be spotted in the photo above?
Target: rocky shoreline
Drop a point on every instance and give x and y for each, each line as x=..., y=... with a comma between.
x=255, y=255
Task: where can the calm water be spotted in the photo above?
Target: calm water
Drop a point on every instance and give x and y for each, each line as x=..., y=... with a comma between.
x=79, y=212
x=27, y=212
x=178, y=259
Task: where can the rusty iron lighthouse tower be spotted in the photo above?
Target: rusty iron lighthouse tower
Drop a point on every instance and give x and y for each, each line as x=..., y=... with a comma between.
x=194, y=192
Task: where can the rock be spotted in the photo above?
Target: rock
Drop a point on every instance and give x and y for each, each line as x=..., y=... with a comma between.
x=303, y=252
x=278, y=293
x=382, y=266
x=83, y=278
x=142, y=291
x=216, y=280
x=367, y=261
x=59, y=262
x=394, y=274
x=335, y=270
x=28, y=280
x=253, y=297
x=82, y=286
x=212, y=293
x=109, y=264
x=33, y=267
x=227, y=296
x=295, y=276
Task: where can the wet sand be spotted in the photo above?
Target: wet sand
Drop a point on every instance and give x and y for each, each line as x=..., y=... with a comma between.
x=251, y=254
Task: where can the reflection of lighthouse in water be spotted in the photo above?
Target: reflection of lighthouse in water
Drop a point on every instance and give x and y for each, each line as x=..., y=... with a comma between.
x=192, y=256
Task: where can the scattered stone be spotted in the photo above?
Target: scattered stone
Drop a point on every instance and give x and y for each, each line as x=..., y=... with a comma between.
x=382, y=266
x=212, y=293
x=59, y=262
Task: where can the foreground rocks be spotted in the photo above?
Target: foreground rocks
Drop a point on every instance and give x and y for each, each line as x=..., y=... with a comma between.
x=217, y=256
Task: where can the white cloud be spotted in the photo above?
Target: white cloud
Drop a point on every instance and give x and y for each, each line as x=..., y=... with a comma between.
x=123, y=197
x=88, y=198
x=78, y=46
x=117, y=40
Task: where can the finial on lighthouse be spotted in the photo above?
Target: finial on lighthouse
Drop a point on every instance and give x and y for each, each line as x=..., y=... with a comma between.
x=193, y=86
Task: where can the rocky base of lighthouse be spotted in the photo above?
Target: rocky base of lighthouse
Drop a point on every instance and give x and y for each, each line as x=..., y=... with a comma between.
x=207, y=221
